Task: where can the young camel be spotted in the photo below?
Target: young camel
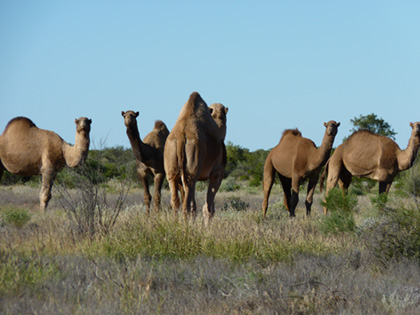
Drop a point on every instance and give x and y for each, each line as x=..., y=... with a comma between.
x=149, y=156
x=27, y=150
x=195, y=151
x=296, y=159
x=368, y=155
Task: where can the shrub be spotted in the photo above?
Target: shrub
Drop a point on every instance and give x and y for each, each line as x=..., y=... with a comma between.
x=16, y=216
x=340, y=218
x=229, y=185
x=395, y=236
x=88, y=207
x=235, y=203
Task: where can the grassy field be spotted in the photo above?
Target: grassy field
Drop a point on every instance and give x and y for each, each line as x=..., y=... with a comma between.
x=240, y=264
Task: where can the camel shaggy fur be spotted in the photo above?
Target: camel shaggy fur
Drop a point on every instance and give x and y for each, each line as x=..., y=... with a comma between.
x=27, y=150
x=149, y=155
x=296, y=159
x=195, y=151
x=368, y=155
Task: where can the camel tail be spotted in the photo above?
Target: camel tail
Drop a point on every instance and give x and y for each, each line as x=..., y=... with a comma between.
x=324, y=174
x=180, y=149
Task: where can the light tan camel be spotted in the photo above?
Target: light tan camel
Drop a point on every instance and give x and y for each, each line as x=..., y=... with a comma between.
x=149, y=155
x=195, y=151
x=296, y=159
x=368, y=155
x=27, y=150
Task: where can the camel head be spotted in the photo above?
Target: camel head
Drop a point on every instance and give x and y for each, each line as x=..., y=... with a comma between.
x=83, y=125
x=130, y=117
x=219, y=112
x=416, y=128
x=332, y=127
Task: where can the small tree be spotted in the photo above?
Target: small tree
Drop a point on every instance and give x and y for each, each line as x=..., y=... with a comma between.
x=373, y=123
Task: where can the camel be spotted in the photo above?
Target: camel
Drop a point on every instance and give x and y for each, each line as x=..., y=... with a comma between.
x=296, y=159
x=27, y=150
x=369, y=155
x=195, y=151
x=149, y=156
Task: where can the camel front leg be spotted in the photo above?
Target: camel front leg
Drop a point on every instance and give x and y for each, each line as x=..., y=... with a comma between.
x=158, y=188
x=48, y=176
x=145, y=183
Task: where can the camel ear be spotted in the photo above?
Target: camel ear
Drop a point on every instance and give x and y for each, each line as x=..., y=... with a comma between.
x=226, y=110
x=325, y=124
x=211, y=110
x=90, y=121
x=122, y=113
x=338, y=124
x=137, y=114
x=76, y=121
x=411, y=125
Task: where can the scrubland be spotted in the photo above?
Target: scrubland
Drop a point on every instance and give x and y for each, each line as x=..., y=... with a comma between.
x=240, y=264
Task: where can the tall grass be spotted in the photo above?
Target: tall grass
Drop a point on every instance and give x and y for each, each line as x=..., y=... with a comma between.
x=241, y=263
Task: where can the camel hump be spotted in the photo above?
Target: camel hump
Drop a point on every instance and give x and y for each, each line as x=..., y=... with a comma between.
x=294, y=132
x=23, y=122
x=159, y=124
x=195, y=103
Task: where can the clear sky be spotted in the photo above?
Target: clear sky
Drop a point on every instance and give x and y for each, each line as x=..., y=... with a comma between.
x=275, y=64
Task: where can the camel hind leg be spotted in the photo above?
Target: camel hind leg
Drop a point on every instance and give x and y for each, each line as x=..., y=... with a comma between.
x=295, y=195
x=2, y=169
x=209, y=208
x=286, y=183
x=188, y=205
x=174, y=184
x=48, y=176
x=309, y=196
x=334, y=174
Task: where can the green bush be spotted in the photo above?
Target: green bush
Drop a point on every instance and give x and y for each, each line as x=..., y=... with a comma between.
x=340, y=218
x=16, y=216
x=229, y=185
x=235, y=203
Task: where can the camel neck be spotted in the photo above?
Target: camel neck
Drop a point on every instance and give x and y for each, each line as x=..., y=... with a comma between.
x=76, y=154
x=138, y=147
x=407, y=157
x=325, y=149
x=222, y=128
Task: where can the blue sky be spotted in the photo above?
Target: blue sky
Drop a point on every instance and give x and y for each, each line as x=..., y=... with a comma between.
x=275, y=64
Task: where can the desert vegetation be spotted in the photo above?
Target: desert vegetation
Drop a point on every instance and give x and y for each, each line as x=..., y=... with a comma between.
x=95, y=250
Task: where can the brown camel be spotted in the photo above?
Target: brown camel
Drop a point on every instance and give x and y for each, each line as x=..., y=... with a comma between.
x=296, y=159
x=27, y=150
x=148, y=154
x=195, y=151
x=368, y=155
